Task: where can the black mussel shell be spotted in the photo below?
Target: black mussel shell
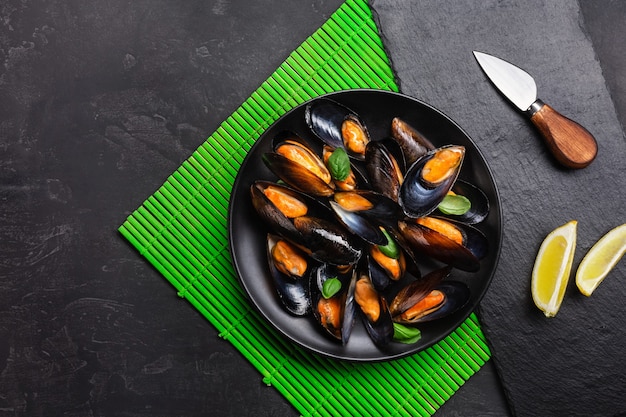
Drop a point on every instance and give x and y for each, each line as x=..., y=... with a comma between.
x=380, y=329
x=325, y=118
x=466, y=257
x=414, y=145
x=359, y=225
x=385, y=170
x=383, y=211
x=479, y=209
x=293, y=293
x=418, y=197
x=269, y=213
x=295, y=174
x=327, y=241
x=340, y=307
x=457, y=295
x=416, y=290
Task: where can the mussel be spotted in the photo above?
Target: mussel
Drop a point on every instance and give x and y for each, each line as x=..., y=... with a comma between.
x=337, y=126
x=363, y=212
x=327, y=241
x=351, y=181
x=376, y=207
x=384, y=168
x=288, y=259
x=296, y=163
x=292, y=289
x=454, y=243
x=414, y=145
x=373, y=306
x=335, y=314
x=429, y=179
x=277, y=205
x=479, y=203
x=429, y=299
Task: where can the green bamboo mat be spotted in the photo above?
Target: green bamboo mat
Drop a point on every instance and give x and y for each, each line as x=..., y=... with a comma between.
x=182, y=230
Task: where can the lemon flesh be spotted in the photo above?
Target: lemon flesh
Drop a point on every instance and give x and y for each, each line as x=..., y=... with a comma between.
x=600, y=259
x=552, y=268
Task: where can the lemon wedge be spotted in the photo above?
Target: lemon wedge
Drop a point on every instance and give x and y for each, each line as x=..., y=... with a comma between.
x=552, y=268
x=600, y=259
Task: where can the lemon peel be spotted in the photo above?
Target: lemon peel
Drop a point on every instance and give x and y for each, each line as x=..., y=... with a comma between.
x=552, y=268
x=601, y=259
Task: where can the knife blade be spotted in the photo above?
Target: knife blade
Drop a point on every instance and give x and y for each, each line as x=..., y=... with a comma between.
x=571, y=144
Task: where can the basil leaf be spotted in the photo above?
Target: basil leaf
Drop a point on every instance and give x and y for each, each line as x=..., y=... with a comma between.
x=330, y=287
x=405, y=334
x=391, y=249
x=454, y=204
x=339, y=164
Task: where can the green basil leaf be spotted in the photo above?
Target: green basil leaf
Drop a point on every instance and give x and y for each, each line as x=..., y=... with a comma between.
x=339, y=164
x=330, y=287
x=391, y=249
x=454, y=204
x=405, y=334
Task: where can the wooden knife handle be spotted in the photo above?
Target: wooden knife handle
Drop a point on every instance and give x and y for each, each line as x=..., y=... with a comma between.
x=570, y=143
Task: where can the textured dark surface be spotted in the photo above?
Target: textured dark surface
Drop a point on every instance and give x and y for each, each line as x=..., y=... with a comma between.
x=571, y=364
x=101, y=101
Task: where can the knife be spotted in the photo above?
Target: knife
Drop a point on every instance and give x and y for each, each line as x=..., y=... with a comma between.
x=570, y=143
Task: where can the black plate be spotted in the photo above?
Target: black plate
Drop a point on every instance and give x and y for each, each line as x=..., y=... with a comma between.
x=247, y=233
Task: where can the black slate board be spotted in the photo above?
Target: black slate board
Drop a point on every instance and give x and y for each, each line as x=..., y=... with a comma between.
x=572, y=364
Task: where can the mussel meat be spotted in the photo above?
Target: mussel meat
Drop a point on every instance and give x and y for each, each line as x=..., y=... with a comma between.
x=293, y=291
x=294, y=162
x=336, y=314
x=278, y=206
x=420, y=306
x=376, y=314
x=394, y=266
x=448, y=241
x=288, y=259
x=350, y=182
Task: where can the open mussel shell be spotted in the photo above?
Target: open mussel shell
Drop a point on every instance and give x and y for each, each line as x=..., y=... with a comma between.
x=479, y=209
x=457, y=295
x=416, y=290
x=296, y=163
x=376, y=207
x=385, y=167
x=328, y=120
x=419, y=195
x=336, y=314
x=378, y=275
x=443, y=300
x=356, y=178
x=363, y=212
x=387, y=264
x=374, y=309
x=425, y=240
x=414, y=145
x=292, y=292
x=327, y=241
x=271, y=214
x=359, y=225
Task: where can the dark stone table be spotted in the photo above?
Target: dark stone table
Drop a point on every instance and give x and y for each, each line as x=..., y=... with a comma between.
x=100, y=102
